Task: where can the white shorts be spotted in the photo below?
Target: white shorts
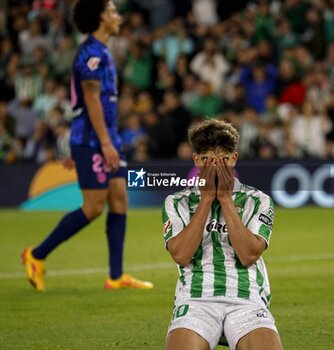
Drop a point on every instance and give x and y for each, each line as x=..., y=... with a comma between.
x=215, y=319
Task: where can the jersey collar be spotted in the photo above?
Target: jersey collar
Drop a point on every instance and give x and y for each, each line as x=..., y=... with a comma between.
x=92, y=38
x=237, y=186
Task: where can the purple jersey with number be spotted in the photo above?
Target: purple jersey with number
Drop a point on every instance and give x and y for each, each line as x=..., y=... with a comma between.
x=94, y=62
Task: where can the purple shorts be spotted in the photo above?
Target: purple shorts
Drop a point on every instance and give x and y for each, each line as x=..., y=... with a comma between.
x=93, y=173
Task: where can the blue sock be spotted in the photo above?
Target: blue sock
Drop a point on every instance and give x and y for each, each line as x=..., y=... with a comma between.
x=67, y=227
x=116, y=235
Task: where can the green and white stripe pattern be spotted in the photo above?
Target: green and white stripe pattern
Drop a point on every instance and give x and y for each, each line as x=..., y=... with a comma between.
x=215, y=270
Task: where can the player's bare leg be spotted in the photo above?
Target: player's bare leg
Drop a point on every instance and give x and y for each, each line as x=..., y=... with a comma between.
x=117, y=196
x=260, y=339
x=94, y=202
x=185, y=339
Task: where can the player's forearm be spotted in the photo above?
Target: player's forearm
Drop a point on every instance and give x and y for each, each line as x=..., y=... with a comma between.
x=96, y=116
x=184, y=246
x=247, y=246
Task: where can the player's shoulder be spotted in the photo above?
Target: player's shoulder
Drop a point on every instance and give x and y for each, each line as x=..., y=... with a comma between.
x=251, y=191
x=90, y=50
x=181, y=195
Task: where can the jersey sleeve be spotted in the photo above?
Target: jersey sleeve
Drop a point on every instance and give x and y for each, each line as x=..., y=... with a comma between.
x=91, y=66
x=262, y=218
x=173, y=223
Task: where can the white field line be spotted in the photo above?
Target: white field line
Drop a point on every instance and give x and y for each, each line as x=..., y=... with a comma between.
x=162, y=266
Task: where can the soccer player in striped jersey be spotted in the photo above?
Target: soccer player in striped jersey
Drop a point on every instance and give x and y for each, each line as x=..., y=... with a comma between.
x=96, y=147
x=216, y=234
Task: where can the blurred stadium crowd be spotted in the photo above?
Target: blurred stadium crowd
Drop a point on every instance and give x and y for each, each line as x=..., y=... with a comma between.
x=266, y=66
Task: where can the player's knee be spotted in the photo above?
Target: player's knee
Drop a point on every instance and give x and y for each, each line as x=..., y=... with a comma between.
x=92, y=211
x=118, y=204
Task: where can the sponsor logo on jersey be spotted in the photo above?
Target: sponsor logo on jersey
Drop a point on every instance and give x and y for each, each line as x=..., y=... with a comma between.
x=167, y=226
x=93, y=63
x=214, y=225
x=262, y=313
x=266, y=220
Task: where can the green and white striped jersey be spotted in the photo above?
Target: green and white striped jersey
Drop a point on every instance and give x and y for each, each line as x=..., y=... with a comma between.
x=216, y=271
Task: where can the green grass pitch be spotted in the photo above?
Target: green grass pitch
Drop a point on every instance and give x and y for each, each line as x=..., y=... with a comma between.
x=77, y=313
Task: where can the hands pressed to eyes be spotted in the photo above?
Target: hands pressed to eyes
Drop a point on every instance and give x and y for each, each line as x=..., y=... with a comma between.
x=222, y=187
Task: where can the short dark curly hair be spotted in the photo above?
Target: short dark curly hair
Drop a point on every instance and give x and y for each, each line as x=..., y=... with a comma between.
x=86, y=14
x=211, y=134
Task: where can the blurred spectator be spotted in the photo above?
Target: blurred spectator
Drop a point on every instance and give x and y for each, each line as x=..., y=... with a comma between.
x=210, y=65
x=262, y=146
x=184, y=151
x=6, y=119
x=161, y=140
x=32, y=37
x=144, y=103
x=308, y=132
x=314, y=36
x=264, y=23
x=63, y=102
x=138, y=68
x=161, y=11
x=28, y=83
x=37, y=149
x=5, y=143
x=171, y=42
x=61, y=133
x=6, y=52
x=57, y=30
x=206, y=103
x=205, y=12
x=330, y=134
x=290, y=88
x=123, y=5
x=329, y=63
x=132, y=130
x=141, y=152
x=238, y=102
x=252, y=63
x=25, y=118
x=119, y=45
x=328, y=13
x=189, y=90
x=259, y=82
x=62, y=58
x=178, y=117
x=271, y=112
x=285, y=37
x=46, y=100
x=249, y=132
x=296, y=11
x=138, y=27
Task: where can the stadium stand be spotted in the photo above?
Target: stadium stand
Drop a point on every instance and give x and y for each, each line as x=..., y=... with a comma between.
x=266, y=66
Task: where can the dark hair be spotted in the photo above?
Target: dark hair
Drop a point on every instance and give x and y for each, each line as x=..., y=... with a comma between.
x=86, y=14
x=211, y=134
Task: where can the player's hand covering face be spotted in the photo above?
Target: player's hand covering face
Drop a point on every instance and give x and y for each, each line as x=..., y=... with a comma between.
x=217, y=164
x=225, y=179
x=208, y=173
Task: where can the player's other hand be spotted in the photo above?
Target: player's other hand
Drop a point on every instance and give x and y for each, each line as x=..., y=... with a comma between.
x=225, y=180
x=111, y=156
x=68, y=163
x=208, y=173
